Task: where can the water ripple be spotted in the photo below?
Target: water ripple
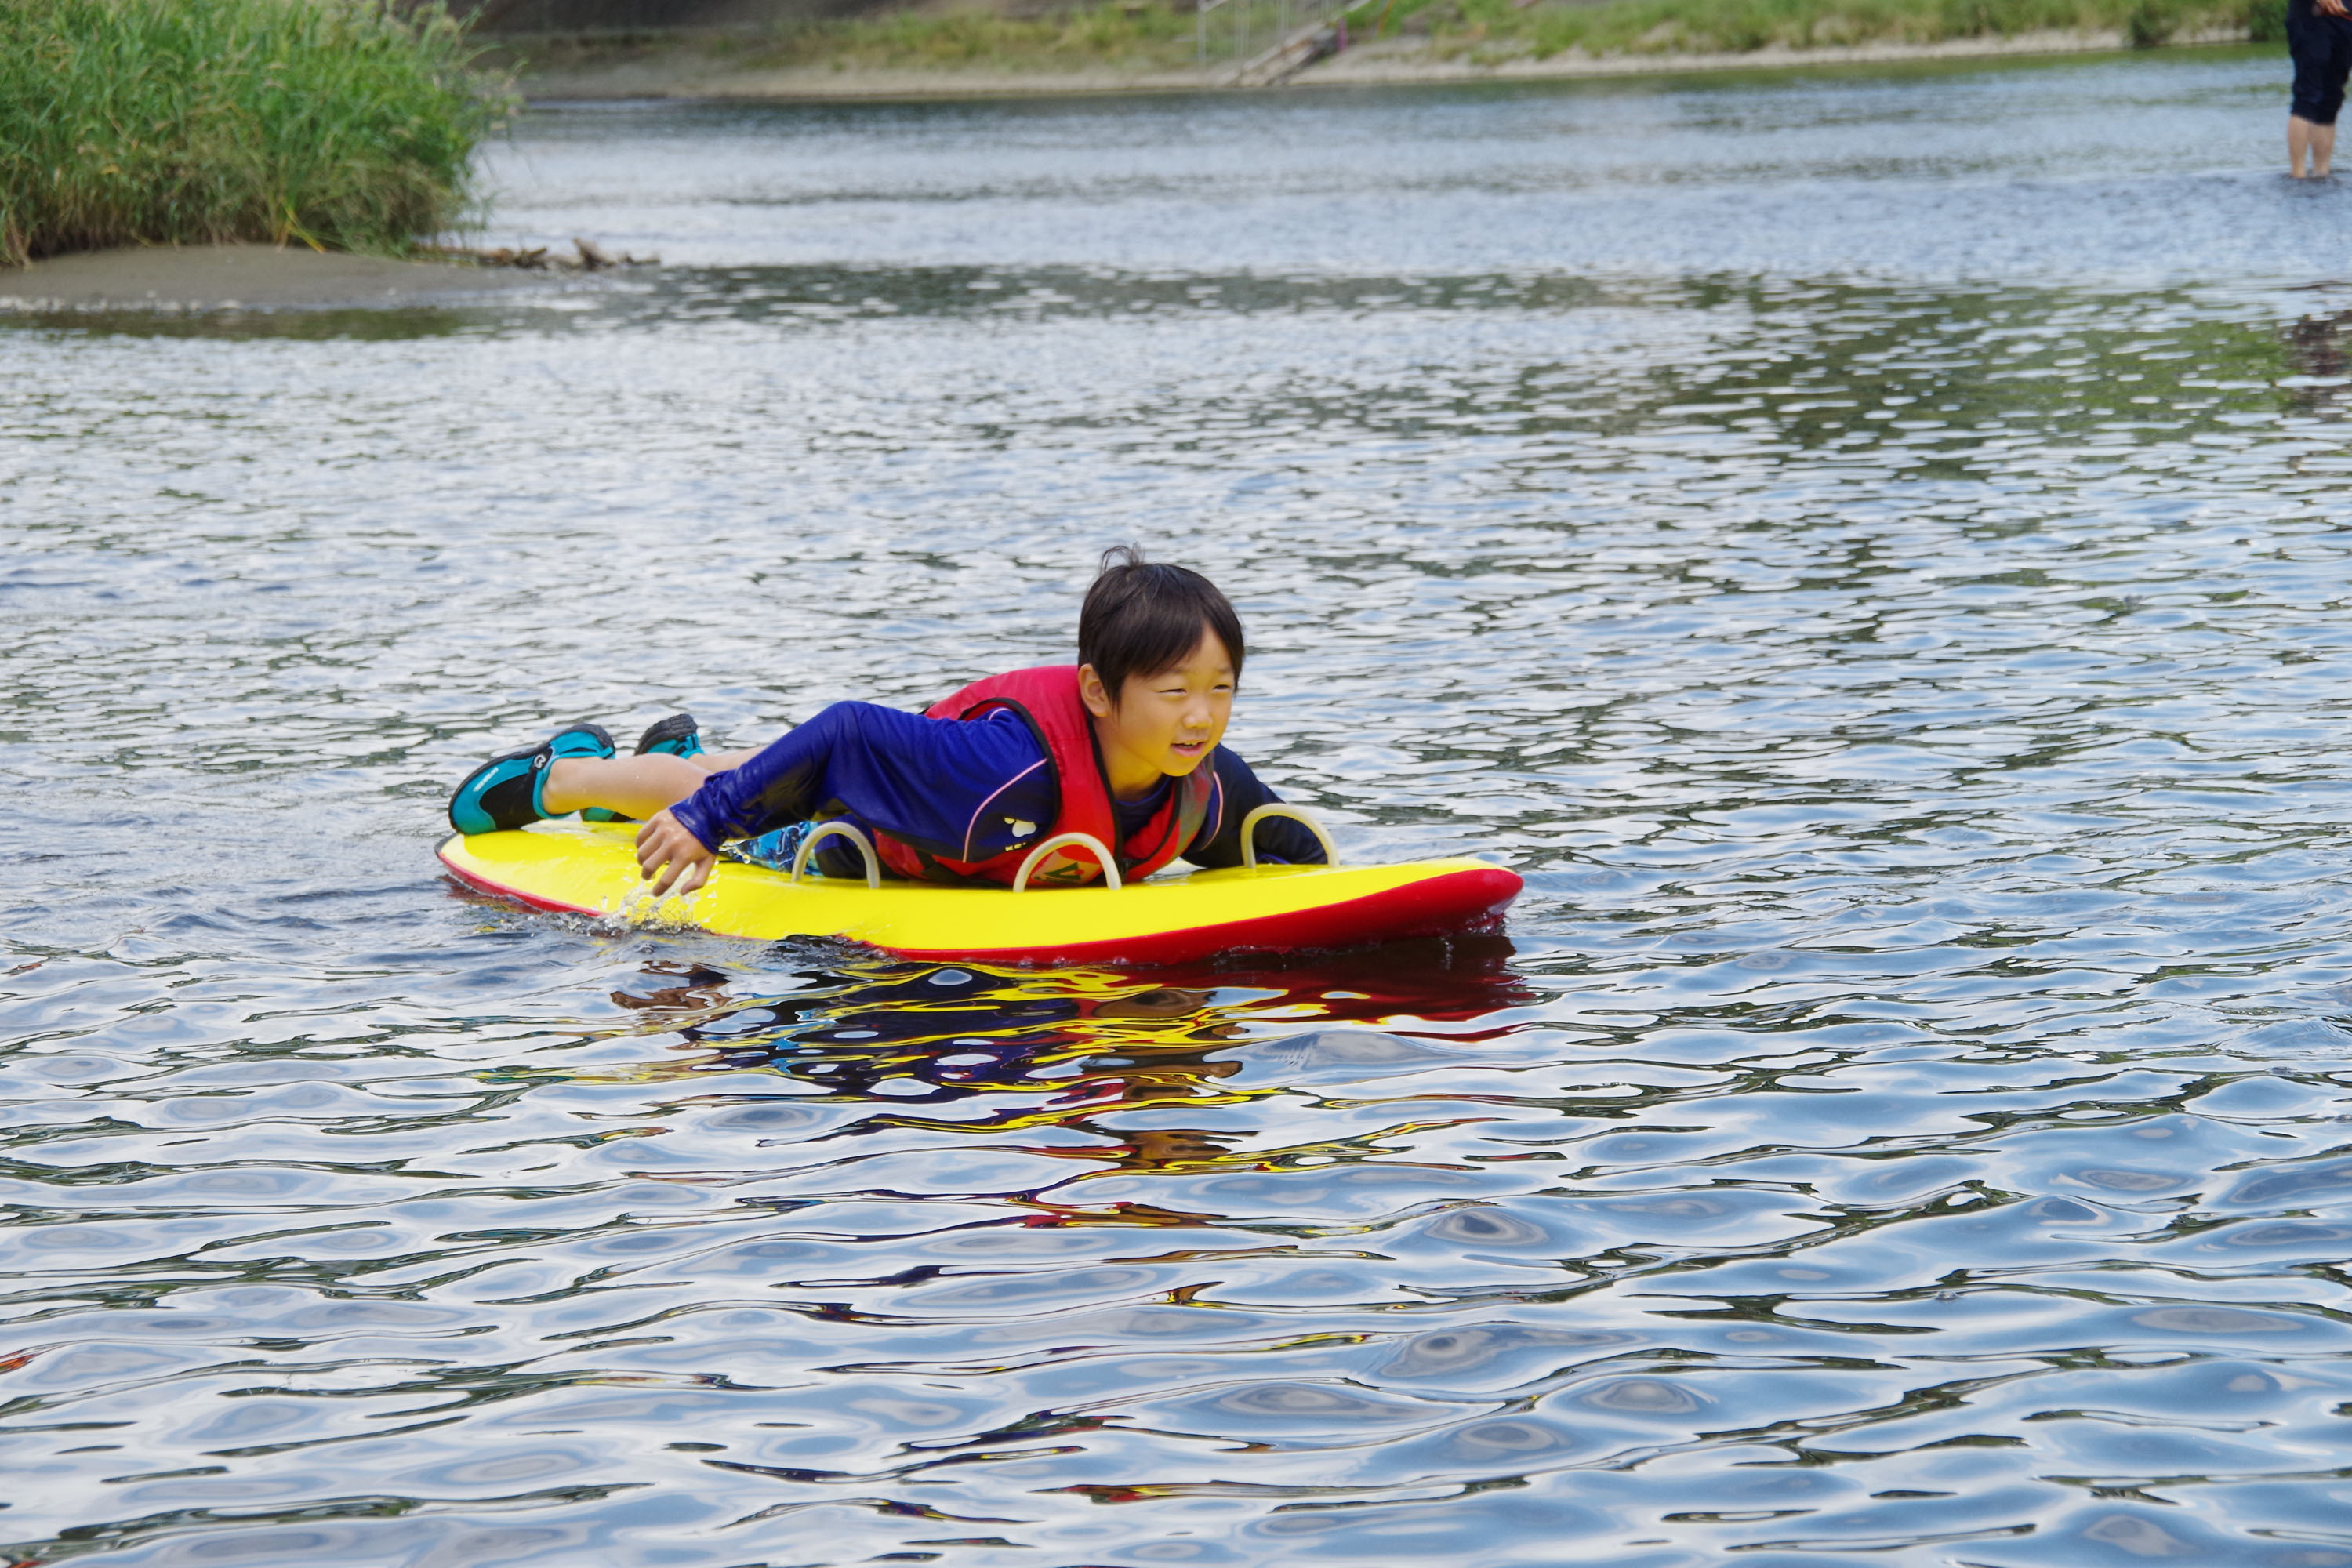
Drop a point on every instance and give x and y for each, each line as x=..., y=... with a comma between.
x=1905, y=1117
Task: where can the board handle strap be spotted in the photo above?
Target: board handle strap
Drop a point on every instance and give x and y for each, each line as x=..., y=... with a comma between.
x=1088, y=840
x=1276, y=808
x=840, y=830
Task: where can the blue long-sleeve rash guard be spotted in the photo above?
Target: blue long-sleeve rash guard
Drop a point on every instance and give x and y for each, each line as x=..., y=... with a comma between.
x=960, y=789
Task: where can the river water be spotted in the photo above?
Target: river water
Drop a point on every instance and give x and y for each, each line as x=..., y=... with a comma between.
x=1870, y=549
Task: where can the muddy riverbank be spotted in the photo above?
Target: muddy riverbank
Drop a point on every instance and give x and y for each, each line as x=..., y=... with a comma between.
x=246, y=276
x=690, y=69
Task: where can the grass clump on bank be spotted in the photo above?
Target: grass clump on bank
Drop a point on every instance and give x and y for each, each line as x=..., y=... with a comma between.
x=338, y=124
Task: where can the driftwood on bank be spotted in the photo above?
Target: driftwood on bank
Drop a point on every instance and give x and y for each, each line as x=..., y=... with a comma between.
x=592, y=257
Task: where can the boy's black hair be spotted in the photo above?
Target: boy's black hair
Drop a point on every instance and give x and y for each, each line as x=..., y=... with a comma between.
x=1142, y=617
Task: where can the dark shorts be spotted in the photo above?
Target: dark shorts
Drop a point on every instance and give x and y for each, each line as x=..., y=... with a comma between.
x=2321, y=48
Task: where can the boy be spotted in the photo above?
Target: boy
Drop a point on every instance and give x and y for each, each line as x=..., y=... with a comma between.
x=1113, y=747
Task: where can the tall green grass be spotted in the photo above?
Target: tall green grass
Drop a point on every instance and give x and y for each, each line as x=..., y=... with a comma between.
x=341, y=123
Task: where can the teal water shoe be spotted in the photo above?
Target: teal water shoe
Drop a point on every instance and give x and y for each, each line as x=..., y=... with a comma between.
x=504, y=792
x=676, y=736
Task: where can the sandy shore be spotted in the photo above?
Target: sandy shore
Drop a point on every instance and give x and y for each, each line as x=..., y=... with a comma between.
x=685, y=73
x=243, y=276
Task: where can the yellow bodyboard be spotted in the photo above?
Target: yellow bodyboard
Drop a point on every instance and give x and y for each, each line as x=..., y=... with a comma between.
x=592, y=868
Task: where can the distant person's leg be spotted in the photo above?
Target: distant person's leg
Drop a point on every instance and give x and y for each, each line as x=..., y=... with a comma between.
x=2339, y=67
x=2310, y=42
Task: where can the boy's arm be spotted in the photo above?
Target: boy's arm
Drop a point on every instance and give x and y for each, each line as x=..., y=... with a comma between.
x=917, y=778
x=772, y=787
x=1219, y=843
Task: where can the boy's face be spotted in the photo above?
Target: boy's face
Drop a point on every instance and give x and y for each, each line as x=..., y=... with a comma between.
x=1164, y=723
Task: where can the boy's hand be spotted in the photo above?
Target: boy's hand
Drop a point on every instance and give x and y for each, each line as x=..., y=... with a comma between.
x=671, y=859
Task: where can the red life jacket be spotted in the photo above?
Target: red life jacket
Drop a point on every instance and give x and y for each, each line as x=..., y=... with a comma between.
x=1046, y=700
